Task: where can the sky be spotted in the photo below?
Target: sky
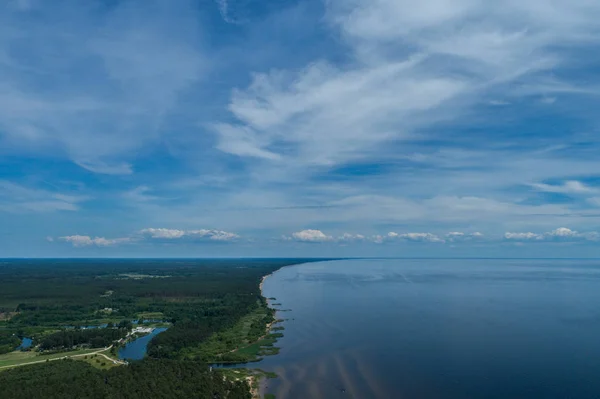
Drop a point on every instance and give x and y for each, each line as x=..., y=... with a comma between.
x=199, y=128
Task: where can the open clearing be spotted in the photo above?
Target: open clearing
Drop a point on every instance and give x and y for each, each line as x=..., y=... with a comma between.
x=15, y=359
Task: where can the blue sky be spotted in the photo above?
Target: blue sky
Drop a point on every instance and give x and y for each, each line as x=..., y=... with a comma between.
x=299, y=128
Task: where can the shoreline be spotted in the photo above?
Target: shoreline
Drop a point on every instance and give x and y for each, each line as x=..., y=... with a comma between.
x=258, y=381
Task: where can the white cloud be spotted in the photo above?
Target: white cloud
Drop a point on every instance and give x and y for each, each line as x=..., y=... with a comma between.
x=216, y=235
x=174, y=234
x=523, y=236
x=311, y=236
x=460, y=236
x=422, y=237
x=225, y=11
x=562, y=232
x=455, y=234
x=86, y=241
x=351, y=237
x=378, y=239
x=163, y=233
x=568, y=187
x=559, y=234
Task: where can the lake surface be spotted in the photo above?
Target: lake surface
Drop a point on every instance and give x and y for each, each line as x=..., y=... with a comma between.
x=25, y=343
x=136, y=350
x=437, y=329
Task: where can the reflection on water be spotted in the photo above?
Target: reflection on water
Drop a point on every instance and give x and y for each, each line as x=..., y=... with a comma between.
x=438, y=329
x=136, y=350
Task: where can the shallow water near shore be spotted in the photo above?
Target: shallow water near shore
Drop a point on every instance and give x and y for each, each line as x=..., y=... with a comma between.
x=437, y=329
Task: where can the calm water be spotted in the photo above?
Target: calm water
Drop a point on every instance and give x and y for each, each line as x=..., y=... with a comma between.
x=136, y=350
x=438, y=329
x=25, y=343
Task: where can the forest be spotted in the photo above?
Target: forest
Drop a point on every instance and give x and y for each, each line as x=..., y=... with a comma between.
x=94, y=337
x=49, y=300
x=8, y=341
x=146, y=379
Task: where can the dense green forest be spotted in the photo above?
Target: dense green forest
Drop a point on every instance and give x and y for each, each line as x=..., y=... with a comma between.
x=94, y=337
x=146, y=379
x=204, y=301
x=8, y=341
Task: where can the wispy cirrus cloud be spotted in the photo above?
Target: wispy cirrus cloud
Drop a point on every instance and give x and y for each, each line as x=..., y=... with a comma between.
x=17, y=198
x=567, y=187
x=127, y=65
x=332, y=115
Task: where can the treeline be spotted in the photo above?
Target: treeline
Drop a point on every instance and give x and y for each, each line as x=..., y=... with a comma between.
x=144, y=380
x=71, y=293
x=169, y=344
x=8, y=341
x=94, y=337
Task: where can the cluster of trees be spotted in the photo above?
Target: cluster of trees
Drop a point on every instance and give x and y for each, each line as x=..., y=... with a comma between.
x=8, y=341
x=147, y=379
x=94, y=337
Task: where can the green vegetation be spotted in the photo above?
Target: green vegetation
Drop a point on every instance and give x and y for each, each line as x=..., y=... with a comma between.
x=99, y=362
x=243, y=342
x=147, y=379
x=214, y=308
x=8, y=341
x=94, y=337
x=269, y=396
x=150, y=316
x=252, y=376
x=19, y=358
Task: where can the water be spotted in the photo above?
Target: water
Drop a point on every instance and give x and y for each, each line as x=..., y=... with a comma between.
x=438, y=329
x=136, y=350
x=25, y=343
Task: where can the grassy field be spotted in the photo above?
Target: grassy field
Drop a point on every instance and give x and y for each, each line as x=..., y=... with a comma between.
x=263, y=347
x=18, y=358
x=151, y=316
x=98, y=361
